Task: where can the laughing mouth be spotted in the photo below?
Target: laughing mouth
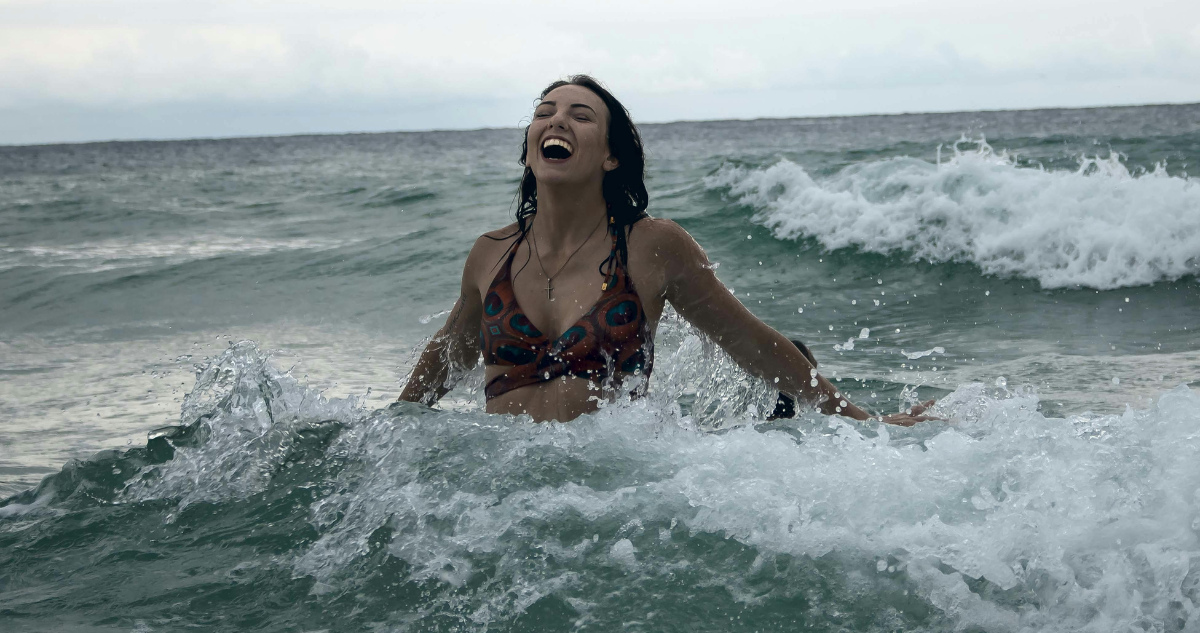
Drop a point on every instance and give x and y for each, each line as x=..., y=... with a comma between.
x=556, y=149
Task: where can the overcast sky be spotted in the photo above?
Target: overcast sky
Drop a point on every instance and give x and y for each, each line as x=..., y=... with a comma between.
x=74, y=70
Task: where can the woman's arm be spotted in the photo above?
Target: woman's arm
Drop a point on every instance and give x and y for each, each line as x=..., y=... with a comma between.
x=456, y=344
x=694, y=290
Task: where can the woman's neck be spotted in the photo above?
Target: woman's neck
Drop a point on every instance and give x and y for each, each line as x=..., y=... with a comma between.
x=567, y=216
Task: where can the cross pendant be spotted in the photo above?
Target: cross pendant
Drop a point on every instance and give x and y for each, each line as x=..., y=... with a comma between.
x=549, y=289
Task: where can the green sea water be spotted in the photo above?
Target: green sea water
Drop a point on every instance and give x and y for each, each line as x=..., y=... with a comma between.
x=200, y=343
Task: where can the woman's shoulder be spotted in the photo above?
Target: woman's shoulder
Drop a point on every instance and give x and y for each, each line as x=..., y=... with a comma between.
x=662, y=254
x=503, y=234
x=498, y=240
x=660, y=234
x=489, y=247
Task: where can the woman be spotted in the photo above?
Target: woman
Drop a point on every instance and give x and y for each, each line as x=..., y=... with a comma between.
x=564, y=303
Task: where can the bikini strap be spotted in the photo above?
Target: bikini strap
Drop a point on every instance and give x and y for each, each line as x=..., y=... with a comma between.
x=506, y=270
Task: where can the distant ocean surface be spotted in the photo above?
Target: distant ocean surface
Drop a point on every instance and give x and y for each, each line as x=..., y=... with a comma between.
x=200, y=342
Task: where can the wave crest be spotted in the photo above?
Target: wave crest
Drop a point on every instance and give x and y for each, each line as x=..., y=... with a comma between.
x=1100, y=226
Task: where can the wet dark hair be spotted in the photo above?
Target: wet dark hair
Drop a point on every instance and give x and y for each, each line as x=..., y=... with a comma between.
x=624, y=188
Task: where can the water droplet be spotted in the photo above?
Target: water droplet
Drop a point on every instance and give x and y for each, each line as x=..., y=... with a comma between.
x=987, y=293
x=1116, y=381
x=812, y=383
x=865, y=333
x=879, y=281
x=1126, y=299
x=800, y=310
x=854, y=302
x=831, y=328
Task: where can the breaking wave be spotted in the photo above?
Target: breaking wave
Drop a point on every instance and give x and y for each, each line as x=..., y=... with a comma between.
x=326, y=513
x=1100, y=226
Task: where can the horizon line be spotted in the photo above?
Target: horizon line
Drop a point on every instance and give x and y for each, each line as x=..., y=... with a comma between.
x=639, y=124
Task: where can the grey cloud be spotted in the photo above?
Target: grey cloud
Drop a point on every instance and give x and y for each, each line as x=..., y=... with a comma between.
x=153, y=69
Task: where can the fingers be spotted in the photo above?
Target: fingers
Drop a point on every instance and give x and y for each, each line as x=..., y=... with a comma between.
x=918, y=409
x=902, y=419
x=899, y=419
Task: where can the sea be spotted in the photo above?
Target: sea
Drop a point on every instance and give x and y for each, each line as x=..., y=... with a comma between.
x=202, y=342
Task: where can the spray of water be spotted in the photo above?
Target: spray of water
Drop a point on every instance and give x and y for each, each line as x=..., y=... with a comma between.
x=1001, y=518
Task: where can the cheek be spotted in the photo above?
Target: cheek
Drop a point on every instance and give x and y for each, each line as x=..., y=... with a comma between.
x=531, y=142
x=597, y=145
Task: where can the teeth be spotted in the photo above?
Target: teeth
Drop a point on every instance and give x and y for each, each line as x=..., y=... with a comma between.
x=558, y=141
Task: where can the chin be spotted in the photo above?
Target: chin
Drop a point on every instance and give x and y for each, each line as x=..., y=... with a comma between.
x=556, y=177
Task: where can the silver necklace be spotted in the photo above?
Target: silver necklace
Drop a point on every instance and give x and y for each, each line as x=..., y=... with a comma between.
x=550, y=278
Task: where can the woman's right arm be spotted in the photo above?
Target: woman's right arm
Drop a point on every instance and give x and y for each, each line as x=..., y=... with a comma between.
x=455, y=345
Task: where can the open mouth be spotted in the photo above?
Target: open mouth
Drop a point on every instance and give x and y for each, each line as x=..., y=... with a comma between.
x=556, y=149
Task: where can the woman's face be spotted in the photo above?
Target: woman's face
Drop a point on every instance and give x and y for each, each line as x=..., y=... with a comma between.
x=568, y=137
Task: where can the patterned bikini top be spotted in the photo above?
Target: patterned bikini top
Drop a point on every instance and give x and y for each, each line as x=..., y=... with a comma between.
x=612, y=335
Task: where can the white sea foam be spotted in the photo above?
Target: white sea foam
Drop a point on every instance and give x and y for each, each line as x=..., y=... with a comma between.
x=1099, y=226
x=105, y=255
x=922, y=354
x=1005, y=520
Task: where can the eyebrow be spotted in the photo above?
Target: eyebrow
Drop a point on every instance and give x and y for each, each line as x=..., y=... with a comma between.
x=573, y=105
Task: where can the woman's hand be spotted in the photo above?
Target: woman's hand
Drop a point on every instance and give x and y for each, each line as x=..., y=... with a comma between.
x=910, y=417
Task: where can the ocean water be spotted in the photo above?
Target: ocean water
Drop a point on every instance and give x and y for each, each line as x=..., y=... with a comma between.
x=201, y=342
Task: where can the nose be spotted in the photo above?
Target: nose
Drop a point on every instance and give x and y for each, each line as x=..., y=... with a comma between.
x=559, y=119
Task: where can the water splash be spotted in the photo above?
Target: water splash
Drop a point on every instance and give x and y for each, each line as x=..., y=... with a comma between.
x=411, y=518
x=923, y=353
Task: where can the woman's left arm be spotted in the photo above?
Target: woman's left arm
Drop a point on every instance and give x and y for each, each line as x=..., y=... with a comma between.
x=698, y=296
